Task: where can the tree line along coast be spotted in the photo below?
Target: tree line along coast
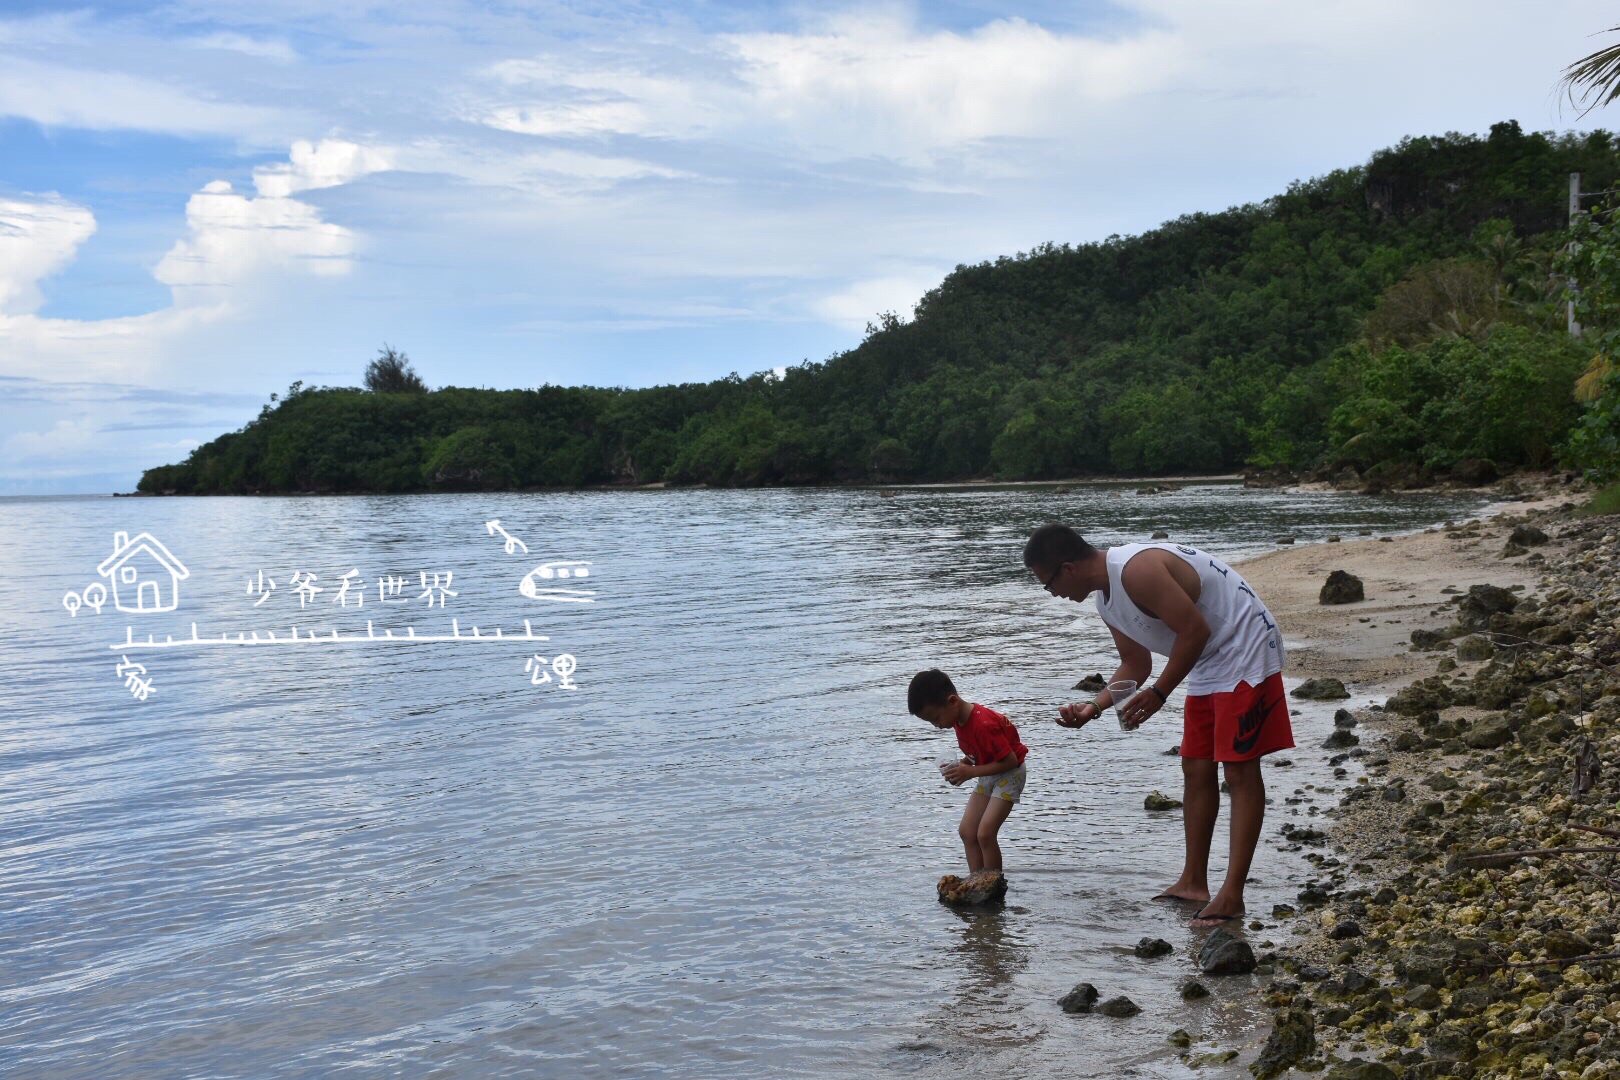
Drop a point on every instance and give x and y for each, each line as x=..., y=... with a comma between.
x=1394, y=323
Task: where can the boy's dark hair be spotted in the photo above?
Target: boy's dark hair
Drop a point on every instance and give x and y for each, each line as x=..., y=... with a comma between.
x=931, y=687
x=1052, y=545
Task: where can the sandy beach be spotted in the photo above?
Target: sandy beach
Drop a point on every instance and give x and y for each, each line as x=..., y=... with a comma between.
x=1366, y=644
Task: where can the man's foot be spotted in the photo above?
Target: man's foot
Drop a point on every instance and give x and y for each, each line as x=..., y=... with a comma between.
x=1206, y=919
x=1188, y=896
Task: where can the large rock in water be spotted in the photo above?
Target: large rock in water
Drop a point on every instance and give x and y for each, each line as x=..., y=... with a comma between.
x=1224, y=954
x=985, y=887
x=1321, y=690
x=1293, y=1039
x=1119, y=1007
x=1342, y=587
x=1080, y=999
x=1149, y=947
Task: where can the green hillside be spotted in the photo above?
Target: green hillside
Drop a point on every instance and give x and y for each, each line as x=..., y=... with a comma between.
x=1401, y=317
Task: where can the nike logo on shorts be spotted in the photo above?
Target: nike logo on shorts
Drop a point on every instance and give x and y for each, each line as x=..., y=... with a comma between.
x=1249, y=726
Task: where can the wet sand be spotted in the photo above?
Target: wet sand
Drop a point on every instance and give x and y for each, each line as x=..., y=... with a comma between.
x=1366, y=644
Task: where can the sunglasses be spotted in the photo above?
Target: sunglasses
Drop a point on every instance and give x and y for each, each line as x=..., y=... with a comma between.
x=1048, y=582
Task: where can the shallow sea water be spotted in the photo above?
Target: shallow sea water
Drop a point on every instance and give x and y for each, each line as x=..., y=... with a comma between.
x=715, y=854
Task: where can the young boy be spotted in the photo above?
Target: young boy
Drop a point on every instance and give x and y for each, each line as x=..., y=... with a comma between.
x=984, y=736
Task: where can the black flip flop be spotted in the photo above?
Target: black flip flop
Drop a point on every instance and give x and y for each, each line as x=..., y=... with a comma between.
x=1215, y=920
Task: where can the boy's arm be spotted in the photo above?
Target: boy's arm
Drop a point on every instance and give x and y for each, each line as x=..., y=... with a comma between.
x=1001, y=766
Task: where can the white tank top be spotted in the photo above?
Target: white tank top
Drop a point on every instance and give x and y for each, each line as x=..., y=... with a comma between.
x=1244, y=642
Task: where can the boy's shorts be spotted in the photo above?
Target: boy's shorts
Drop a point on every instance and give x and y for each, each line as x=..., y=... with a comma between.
x=1244, y=724
x=1008, y=785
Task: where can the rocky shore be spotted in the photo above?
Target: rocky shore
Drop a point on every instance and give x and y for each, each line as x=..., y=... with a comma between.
x=1464, y=922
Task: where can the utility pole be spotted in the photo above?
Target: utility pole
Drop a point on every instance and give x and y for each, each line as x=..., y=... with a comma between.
x=1574, y=212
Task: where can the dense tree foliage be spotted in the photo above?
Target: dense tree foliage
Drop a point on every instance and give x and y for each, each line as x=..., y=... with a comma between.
x=1592, y=260
x=1403, y=312
x=391, y=373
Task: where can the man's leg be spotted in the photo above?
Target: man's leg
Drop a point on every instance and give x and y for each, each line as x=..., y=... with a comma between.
x=989, y=825
x=1248, y=812
x=1200, y=803
x=969, y=831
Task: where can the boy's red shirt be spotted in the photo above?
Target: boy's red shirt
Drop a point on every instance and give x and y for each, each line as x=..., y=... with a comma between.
x=987, y=737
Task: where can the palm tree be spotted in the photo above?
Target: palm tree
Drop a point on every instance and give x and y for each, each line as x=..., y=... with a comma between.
x=1594, y=81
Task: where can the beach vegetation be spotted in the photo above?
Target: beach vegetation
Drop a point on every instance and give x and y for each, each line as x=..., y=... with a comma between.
x=1403, y=312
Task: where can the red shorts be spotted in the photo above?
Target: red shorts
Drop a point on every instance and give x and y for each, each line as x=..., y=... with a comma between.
x=1242, y=725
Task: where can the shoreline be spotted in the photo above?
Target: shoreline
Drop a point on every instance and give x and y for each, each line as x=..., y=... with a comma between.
x=1391, y=960
x=1507, y=484
x=1366, y=644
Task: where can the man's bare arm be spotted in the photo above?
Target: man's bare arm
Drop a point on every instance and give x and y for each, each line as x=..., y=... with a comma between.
x=1147, y=581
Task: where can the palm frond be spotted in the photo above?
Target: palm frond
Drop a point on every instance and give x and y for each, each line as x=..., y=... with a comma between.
x=1589, y=387
x=1594, y=81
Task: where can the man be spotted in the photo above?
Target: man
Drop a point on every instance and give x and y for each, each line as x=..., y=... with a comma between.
x=1218, y=637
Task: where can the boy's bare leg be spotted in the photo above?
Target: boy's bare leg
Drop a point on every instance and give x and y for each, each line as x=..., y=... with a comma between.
x=989, y=825
x=969, y=830
x=1248, y=813
x=1200, y=804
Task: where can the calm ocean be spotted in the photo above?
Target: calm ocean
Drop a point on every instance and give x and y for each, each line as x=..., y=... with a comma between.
x=673, y=822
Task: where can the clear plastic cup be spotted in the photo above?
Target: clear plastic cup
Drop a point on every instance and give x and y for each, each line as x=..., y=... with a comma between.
x=946, y=761
x=1121, y=691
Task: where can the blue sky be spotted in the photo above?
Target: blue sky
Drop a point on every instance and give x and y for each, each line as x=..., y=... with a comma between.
x=201, y=202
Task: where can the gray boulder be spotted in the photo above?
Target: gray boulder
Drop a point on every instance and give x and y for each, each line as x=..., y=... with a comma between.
x=1080, y=999
x=1489, y=733
x=1473, y=647
x=1342, y=587
x=1119, y=1007
x=1483, y=601
x=1356, y=1069
x=1527, y=536
x=1292, y=1040
x=1321, y=690
x=1224, y=954
x=1149, y=947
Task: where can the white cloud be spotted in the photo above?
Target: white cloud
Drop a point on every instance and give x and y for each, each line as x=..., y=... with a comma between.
x=36, y=240
x=548, y=172
x=863, y=301
x=234, y=237
x=263, y=48
x=64, y=439
x=876, y=86
x=132, y=347
x=217, y=272
x=54, y=95
x=603, y=92
x=586, y=118
x=329, y=163
x=862, y=86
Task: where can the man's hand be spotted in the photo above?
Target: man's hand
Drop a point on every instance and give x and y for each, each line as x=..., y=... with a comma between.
x=955, y=773
x=1078, y=715
x=1140, y=707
